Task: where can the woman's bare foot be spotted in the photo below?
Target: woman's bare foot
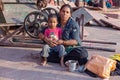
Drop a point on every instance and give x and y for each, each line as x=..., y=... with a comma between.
x=61, y=61
x=62, y=65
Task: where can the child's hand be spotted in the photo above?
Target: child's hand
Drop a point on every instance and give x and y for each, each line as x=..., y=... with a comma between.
x=52, y=44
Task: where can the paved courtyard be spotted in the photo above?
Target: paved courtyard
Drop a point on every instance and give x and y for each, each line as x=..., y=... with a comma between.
x=17, y=63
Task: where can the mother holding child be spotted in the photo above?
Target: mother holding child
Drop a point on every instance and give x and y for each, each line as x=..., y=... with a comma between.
x=62, y=36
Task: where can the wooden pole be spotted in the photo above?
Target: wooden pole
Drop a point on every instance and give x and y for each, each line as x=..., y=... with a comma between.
x=99, y=48
x=31, y=45
x=101, y=42
x=9, y=35
x=1, y=5
x=104, y=5
x=80, y=21
x=19, y=44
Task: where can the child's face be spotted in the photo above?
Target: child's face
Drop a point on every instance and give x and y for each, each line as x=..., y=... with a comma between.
x=52, y=22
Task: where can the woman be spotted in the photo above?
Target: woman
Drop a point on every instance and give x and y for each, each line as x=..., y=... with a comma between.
x=70, y=34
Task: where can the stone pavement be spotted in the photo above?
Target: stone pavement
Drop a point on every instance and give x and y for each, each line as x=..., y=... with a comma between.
x=17, y=63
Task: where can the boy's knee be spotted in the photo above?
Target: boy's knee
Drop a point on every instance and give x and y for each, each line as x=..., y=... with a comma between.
x=46, y=46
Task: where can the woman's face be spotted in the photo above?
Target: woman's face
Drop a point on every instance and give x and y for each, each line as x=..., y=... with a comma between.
x=65, y=13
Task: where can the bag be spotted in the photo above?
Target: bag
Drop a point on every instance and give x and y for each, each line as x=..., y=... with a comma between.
x=116, y=72
x=79, y=53
x=101, y=66
x=115, y=57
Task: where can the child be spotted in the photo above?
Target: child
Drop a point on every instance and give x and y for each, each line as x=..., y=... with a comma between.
x=55, y=33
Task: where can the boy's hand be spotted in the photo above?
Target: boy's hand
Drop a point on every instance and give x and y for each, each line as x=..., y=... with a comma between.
x=52, y=45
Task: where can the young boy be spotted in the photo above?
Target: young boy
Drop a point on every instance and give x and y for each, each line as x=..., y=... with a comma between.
x=54, y=33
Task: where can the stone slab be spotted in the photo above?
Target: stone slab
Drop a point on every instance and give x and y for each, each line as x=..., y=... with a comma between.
x=15, y=13
x=79, y=12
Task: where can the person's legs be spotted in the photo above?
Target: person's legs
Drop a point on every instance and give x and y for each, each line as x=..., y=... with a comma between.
x=62, y=61
x=45, y=54
x=61, y=50
x=80, y=54
x=44, y=61
x=83, y=57
x=82, y=61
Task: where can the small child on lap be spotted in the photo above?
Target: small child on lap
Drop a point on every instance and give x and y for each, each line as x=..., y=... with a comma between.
x=54, y=33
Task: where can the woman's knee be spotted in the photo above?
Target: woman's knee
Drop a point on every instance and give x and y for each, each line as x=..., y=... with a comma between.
x=62, y=51
x=61, y=47
x=85, y=55
x=82, y=61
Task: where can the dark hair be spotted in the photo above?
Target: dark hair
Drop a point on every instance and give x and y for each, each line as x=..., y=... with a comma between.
x=67, y=5
x=52, y=16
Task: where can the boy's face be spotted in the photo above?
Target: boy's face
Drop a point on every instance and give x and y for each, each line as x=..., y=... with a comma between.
x=52, y=22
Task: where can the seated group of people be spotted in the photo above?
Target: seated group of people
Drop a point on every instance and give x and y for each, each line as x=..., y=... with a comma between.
x=97, y=3
x=87, y=2
x=94, y=3
x=62, y=36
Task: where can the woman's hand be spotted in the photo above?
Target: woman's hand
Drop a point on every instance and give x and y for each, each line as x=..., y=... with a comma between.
x=60, y=42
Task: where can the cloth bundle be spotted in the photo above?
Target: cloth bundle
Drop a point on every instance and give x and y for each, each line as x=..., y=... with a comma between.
x=101, y=66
